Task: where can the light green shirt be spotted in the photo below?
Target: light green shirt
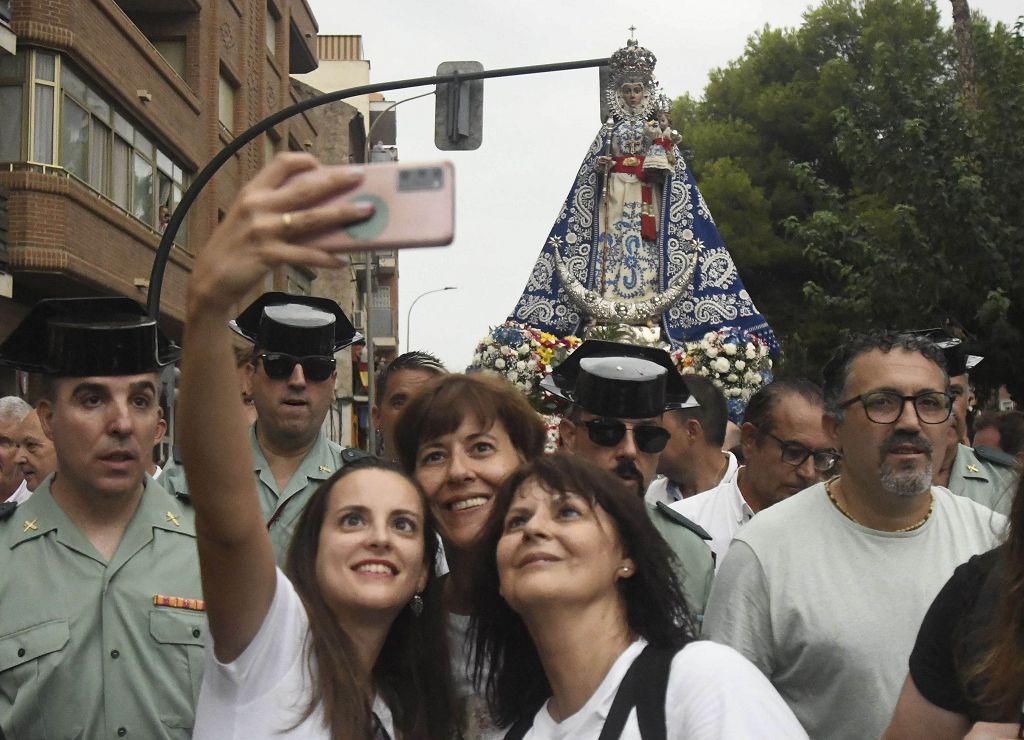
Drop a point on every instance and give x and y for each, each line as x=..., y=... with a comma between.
x=84, y=651
x=986, y=482
x=695, y=566
x=281, y=508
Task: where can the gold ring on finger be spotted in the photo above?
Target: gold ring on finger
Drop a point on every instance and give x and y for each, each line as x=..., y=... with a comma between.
x=286, y=220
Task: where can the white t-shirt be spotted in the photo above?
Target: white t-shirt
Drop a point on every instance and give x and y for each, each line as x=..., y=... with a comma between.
x=721, y=511
x=829, y=609
x=713, y=692
x=265, y=690
x=478, y=724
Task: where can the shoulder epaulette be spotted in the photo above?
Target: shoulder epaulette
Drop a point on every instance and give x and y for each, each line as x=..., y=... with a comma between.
x=7, y=510
x=678, y=518
x=183, y=497
x=351, y=454
x=996, y=457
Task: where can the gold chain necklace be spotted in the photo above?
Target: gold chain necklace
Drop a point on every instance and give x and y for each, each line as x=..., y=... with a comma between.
x=848, y=515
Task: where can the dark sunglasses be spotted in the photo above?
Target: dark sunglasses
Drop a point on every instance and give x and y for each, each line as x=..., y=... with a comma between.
x=279, y=366
x=609, y=432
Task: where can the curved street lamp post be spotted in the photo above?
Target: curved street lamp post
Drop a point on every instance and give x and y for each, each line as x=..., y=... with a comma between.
x=408, y=314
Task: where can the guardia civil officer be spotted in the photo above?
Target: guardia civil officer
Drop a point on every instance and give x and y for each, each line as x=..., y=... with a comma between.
x=618, y=394
x=101, y=614
x=294, y=340
x=981, y=474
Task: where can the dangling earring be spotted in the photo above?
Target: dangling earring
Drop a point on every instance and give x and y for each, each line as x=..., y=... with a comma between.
x=416, y=605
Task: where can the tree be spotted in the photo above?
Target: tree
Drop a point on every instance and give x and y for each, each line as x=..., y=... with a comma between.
x=856, y=189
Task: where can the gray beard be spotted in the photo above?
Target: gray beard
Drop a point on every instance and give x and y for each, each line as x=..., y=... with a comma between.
x=906, y=482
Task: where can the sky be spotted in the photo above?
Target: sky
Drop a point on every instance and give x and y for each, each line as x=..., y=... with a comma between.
x=536, y=128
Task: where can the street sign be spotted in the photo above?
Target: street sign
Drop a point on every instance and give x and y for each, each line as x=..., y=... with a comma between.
x=459, y=109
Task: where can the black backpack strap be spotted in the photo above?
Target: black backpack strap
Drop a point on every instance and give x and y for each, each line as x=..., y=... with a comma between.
x=519, y=729
x=644, y=686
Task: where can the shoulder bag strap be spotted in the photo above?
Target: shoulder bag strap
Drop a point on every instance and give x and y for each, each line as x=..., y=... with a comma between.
x=643, y=687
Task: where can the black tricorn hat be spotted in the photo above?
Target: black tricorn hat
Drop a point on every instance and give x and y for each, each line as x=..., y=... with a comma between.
x=618, y=380
x=958, y=361
x=298, y=325
x=81, y=337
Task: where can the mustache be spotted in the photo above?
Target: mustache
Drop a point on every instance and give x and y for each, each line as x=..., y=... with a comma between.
x=900, y=439
x=626, y=469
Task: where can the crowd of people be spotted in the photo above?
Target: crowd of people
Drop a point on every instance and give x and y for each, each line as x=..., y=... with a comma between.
x=852, y=566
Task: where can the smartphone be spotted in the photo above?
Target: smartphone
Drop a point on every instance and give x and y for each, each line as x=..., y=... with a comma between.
x=414, y=206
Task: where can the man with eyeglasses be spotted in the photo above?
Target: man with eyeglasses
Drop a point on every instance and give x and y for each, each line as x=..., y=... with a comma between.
x=619, y=393
x=980, y=474
x=292, y=383
x=12, y=483
x=785, y=450
x=825, y=591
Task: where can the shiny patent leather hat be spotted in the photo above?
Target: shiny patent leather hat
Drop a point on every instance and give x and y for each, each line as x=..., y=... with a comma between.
x=82, y=337
x=958, y=361
x=618, y=380
x=296, y=325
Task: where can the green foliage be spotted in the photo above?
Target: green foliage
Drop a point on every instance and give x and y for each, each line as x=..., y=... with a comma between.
x=856, y=192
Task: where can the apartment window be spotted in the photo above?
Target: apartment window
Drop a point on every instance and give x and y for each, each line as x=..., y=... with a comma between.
x=12, y=77
x=173, y=51
x=226, y=103
x=271, y=22
x=44, y=76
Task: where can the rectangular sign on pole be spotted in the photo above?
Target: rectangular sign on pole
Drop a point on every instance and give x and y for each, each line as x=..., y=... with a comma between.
x=458, y=109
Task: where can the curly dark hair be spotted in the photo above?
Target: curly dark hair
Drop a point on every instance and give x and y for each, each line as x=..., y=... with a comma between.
x=411, y=672
x=505, y=656
x=837, y=370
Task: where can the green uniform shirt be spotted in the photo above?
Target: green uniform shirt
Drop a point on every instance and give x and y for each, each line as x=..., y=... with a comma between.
x=84, y=650
x=982, y=481
x=281, y=509
x=696, y=563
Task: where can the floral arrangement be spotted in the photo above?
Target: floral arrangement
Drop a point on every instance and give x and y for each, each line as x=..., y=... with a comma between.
x=523, y=355
x=735, y=361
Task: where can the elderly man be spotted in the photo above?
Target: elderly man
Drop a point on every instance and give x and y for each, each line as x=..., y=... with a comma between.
x=618, y=394
x=824, y=591
x=12, y=481
x=101, y=613
x=785, y=450
x=975, y=473
x=36, y=456
x=693, y=460
x=292, y=384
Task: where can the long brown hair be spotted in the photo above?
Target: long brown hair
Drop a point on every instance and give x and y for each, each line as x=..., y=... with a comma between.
x=412, y=671
x=506, y=659
x=999, y=673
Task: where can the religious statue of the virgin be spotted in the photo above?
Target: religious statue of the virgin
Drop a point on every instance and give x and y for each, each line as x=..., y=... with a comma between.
x=634, y=246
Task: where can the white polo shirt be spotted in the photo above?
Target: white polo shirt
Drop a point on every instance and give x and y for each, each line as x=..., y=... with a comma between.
x=664, y=490
x=721, y=511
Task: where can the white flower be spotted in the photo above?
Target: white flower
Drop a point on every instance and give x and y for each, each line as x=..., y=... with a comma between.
x=712, y=352
x=521, y=365
x=740, y=365
x=499, y=363
x=730, y=349
x=733, y=377
x=764, y=350
x=751, y=352
x=718, y=383
x=734, y=392
x=710, y=337
x=721, y=365
x=512, y=375
x=755, y=378
x=703, y=371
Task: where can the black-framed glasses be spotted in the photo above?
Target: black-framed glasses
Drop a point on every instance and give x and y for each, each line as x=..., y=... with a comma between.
x=795, y=454
x=648, y=438
x=278, y=366
x=886, y=407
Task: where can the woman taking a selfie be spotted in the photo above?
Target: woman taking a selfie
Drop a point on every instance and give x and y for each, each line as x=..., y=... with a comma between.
x=460, y=437
x=350, y=644
x=580, y=614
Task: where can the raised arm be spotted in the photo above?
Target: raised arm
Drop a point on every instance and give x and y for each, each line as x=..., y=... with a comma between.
x=258, y=234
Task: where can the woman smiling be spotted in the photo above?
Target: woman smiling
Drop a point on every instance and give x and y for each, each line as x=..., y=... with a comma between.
x=583, y=631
